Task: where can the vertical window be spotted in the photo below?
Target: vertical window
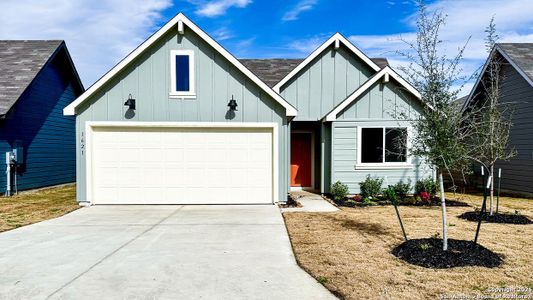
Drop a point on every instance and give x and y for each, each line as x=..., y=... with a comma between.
x=383, y=145
x=372, y=145
x=182, y=74
x=395, y=145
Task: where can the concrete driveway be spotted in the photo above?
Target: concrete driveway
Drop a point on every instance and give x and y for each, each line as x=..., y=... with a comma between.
x=155, y=252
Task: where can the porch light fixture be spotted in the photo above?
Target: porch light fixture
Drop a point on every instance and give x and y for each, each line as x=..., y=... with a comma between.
x=130, y=102
x=232, y=104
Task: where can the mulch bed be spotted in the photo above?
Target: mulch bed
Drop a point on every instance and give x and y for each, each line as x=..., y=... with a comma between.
x=428, y=253
x=405, y=203
x=496, y=218
x=436, y=203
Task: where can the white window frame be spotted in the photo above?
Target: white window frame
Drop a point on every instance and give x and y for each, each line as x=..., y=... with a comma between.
x=191, y=94
x=383, y=165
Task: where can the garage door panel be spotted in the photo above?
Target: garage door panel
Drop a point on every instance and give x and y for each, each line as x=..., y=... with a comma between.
x=182, y=165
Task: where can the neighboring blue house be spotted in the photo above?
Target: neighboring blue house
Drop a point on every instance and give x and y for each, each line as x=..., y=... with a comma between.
x=37, y=80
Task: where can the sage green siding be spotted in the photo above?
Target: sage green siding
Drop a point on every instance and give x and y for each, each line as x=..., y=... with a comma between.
x=147, y=79
x=383, y=105
x=325, y=82
x=344, y=158
x=385, y=101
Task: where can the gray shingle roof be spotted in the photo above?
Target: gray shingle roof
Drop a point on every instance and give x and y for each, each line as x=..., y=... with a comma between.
x=272, y=71
x=20, y=62
x=521, y=54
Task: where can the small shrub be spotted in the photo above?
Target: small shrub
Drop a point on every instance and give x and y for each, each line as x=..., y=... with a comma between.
x=369, y=202
x=425, y=196
x=339, y=191
x=350, y=203
x=390, y=194
x=402, y=189
x=424, y=246
x=371, y=187
x=426, y=185
x=357, y=198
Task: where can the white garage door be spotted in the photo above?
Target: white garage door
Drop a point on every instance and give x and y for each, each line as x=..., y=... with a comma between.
x=144, y=165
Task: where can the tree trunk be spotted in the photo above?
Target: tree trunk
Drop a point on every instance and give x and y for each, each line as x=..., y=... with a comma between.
x=491, y=208
x=444, y=221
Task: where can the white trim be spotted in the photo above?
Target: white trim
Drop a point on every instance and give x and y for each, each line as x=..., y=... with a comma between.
x=312, y=133
x=71, y=108
x=336, y=38
x=191, y=94
x=478, y=80
x=181, y=28
x=90, y=125
x=384, y=165
x=332, y=116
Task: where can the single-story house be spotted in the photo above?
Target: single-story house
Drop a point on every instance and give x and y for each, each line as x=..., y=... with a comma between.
x=180, y=120
x=37, y=80
x=516, y=90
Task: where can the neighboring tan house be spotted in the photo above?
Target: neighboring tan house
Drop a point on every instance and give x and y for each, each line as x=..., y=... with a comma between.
x=182, y=121
x=37, y=80
x=516, y=89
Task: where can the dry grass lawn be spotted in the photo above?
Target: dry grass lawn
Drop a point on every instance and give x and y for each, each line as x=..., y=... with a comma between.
x=349, y=251
x=32, y=207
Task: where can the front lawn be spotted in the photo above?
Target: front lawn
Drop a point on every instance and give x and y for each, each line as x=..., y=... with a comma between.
x=32, y=207
x=350, y=251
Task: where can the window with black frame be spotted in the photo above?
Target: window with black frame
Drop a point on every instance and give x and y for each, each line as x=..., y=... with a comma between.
x=383, y=145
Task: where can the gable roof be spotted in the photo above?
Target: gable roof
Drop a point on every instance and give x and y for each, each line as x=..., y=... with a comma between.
x=20, y=62
x=181, y=21
x=273, y=70
x=336, y=39
x=387, y=71
x=519, y=56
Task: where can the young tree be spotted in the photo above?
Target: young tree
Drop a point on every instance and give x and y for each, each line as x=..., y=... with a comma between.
x=488, y=119
x=437, y=131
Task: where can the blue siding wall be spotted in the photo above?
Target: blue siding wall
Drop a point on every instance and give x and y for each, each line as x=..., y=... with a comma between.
x=37, y=123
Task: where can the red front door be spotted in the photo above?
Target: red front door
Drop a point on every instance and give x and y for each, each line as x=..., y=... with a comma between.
x=301, y=159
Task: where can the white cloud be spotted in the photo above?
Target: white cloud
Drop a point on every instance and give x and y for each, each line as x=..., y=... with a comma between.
x=466, y=18
x=222, y=34
x=308, y=45
x=301, y=6
x=98, y=33
x=219, y=7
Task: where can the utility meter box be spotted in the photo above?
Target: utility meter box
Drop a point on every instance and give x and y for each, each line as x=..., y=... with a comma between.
x=18, y=155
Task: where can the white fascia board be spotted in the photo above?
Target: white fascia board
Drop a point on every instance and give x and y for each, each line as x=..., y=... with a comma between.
x=332, y=116
x=336, y=38
x=71, y=108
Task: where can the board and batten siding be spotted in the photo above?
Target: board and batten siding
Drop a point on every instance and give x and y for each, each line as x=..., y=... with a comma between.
x=147, y=79
x=383, y=105
x=325, y=82
x=37, y=123
x=517, y=174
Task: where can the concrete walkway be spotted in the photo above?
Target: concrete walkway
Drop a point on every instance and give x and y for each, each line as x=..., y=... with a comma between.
x=311, y=203
x=155, y=252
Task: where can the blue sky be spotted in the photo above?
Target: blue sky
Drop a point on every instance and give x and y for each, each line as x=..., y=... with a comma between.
x=100, y=33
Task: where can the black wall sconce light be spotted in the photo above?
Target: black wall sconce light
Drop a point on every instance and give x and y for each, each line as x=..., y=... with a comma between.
x=232, y=104
x=130, y=102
